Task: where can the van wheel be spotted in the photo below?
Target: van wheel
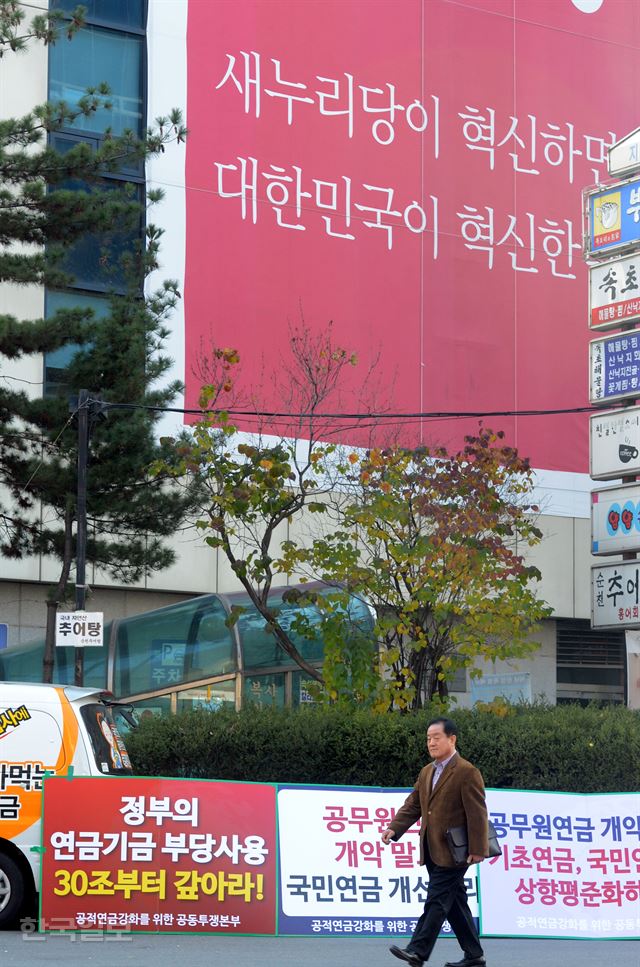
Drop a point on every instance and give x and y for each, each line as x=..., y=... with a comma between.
x=12, y=891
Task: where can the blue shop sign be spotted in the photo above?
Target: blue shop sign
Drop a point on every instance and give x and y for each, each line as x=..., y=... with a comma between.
x=614, y=367
x=614, y=218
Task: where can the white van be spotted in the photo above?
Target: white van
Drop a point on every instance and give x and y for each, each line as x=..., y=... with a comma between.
x=59, y=729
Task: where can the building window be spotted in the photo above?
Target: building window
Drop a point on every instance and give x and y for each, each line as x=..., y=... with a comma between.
x=95, y=56
x=55, y=363
x=111, y=49
x=185, y=642
x=126, y=14
x=590, y=663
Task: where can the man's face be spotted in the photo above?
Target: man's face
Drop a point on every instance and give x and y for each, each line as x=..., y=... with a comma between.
x=439, y=744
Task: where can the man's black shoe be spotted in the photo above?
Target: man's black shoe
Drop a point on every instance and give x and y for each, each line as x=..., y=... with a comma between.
x=467, y=962
x=407, y=956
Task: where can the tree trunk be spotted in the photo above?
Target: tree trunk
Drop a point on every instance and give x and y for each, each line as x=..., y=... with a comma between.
x=57, y=595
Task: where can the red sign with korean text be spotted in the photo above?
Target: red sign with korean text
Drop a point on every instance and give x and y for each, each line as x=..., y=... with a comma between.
x=159, y=854
x=411, y=170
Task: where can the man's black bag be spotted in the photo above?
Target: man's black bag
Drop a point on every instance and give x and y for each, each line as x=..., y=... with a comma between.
x=458, y=843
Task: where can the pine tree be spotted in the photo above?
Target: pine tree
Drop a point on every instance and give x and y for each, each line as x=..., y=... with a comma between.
x=51, y=203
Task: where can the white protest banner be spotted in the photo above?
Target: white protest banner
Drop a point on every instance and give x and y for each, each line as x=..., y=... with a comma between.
x=336, y=875
x=570, y=866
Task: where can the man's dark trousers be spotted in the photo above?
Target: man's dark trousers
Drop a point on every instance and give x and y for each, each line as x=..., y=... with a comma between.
x=446, y=900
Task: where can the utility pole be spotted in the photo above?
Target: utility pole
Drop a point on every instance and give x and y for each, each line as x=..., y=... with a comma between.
x=81, y=534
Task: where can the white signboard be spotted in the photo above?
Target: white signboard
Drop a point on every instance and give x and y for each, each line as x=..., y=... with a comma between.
x=614, y=443
x=615, y=520
x=568, y=866
x=79, y=629
x=614, y=293
x=624, y=155
x=614, y=595
x=335, y=870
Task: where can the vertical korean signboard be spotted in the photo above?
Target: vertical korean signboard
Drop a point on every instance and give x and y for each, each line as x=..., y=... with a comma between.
x=613, y=229
x=159, y=854
x=615, y=601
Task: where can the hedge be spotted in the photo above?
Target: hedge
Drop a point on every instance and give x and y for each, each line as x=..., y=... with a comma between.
x=564, y=748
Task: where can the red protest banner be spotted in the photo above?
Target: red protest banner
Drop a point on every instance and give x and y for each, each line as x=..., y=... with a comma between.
x=159, y=854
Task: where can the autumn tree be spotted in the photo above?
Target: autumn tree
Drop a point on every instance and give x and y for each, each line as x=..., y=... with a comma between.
x=257, y=484
x=435, y=542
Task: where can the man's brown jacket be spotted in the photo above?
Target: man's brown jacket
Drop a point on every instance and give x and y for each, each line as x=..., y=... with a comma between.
x=457, y=800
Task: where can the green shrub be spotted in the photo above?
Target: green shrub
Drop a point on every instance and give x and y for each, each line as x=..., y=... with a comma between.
x=563, y=748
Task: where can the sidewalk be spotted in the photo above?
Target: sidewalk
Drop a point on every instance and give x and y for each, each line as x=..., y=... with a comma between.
x=202, y=950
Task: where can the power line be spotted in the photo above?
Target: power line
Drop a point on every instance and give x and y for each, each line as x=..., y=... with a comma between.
x=275, y=414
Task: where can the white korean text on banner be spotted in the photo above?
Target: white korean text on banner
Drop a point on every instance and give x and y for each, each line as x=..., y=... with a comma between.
x=570, y=866
x=336, y=875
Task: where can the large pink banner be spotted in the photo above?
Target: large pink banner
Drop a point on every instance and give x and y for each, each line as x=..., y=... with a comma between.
x=411, y=170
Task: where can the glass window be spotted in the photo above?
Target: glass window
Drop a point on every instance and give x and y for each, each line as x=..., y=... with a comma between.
x=300, y=690
x=119, y=13
x=95, y=260
x=176, y=644
x=261, y=648
x=95, y=56
x=209, y=697
x=95, y=664
x=212, y=649
x=128, y=165
x=148, y=707
x=55, y=363
x=264, y=690
x=23, y=663
x=107, y=743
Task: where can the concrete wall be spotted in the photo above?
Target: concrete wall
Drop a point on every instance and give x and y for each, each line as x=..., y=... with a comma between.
x=562, y=557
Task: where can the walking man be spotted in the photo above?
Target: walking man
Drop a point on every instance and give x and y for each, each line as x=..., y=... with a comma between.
x=449, y=792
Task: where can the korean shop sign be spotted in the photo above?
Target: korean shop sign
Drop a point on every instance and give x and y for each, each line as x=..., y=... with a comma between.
x=615, y=520
x=614, y=293
x=79, y=629
x=614, y=367
x=614, y=443
x=624, y=155
x=613, y=218
x=614, y=595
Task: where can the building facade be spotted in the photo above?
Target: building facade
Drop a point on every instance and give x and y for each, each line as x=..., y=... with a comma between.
x=411, y=170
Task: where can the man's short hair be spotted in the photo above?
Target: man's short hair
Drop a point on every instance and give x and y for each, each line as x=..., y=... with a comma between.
x=449, y=727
